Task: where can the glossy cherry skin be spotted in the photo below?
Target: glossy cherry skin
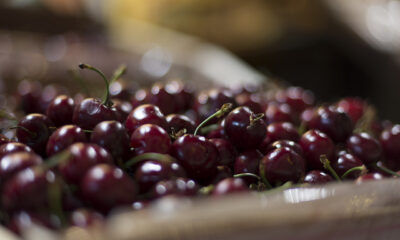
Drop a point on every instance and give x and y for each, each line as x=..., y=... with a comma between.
x=183, y=93
x=38, y=131
x=390, y=141
x=317, y=177
x=27, y=189
x=229, y=186
x=208, y=102
x=337, y=125
x=369, y=177
x=278, y=113
x=178, y=187
x=160, y=97
x=197, y=155
x=15, y=162
x=219, y=132
x=344, y=162
x=353, y=106
x=123, y=108
x=60, y=110
x=314, y=144
x=105, y=187
x=90, y=112
x=264, y=145
x=365, y=147
x=222, y=173
x=4, y=139
x=226, y=151
x=145, y=114
x=112, y=136
x=82, y=156
x=150, y=172
x=177, y=122
x=283, y=165
x=248, y=162
x=150, y=138
x=241, y=131
x=85, y=218
x=297, y=98
x=285, y=143
x=282, y=131
x=47, y=95
x=249, y=100
x=63, y=138
x=122, y=90
x=29, y=94
x=13, y=147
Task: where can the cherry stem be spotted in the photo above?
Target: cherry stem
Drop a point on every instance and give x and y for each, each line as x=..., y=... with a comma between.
x=206, y=190
x=5, y=115
x=121, y=70
x=106, y=98
x=262, y=176
x=25, y=129
x=363, y=170
x=149, y=156
x=174, y=135
x=220, y=113
x=327, y=165
x=56, y=159
x=209, y=128
x=239, y=175
x=387, y=170
x=254, y=118
x=302, y=128
x=54, y=193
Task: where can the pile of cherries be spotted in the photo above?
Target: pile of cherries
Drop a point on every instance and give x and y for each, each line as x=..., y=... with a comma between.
x=75, y=159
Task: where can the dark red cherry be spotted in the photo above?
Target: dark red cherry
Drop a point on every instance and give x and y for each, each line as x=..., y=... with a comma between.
x=105, y=187
x=33, y=130
x=222, y=173
x=47, y=95
x=112, y=136
x=219, y=132
x=140, y=97
x=27, y=189
x=282, y=131
x=244, y=129
x=314, y=144
x=82, y=156
x=369, y=177
x=85, y=218
x=228, y=186
x=337, y=125
x=197, y=155
x=317, y=177
x=150, y=172
x=29, y=94
x=15, y=162
x=4, y=139
x=122, y=90
x=60, y=110
x=249, y=100
x=365, y=147
x=63, y=138
x=278, y=113
x=13, y=147
x=177, y=122
x=183, y=94
x=226, y=151
x=297, y=98
x=145, y=114
x=248, y=162
x=208, y=102
x=390, y=141
x=24, y=220
x=150, y=138
x=160, y=97
x=91, y=111
x=123, y=109
x=344, y=162
x=178, y=187
x=353, y=106
x=283, y=165
x=285, y=143
x=264, y=145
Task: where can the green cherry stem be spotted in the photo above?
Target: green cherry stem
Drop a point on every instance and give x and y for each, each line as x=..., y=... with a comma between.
x=363, y=170
x=221, y=112
x=387, y=170
x=263, y=177
x=209, y=128
x=106, y=100
x=206, y=190
x=149, y=156
x=239, y=175
x=121, y=70
x=54, y=193
x=56, y=159
x=25, y=129
x=327, y=165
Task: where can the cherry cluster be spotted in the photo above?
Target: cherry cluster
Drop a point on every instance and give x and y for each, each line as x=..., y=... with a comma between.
x=75, y=159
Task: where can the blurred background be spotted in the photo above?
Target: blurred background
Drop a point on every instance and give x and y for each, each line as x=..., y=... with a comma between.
x=333, y=47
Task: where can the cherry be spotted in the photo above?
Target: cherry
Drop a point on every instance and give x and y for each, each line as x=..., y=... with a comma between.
x=23, y=220
x=82, y=156
x=145, y=114
x=242, y=124
x=33, y=130
x=248, y=162
x=150, y=172
x=282, y=165
x=4, y=139
x=13, y=147
x=85, y=218
x=353, y=106
x=197, y=155
x=29, y=94
x=297, y=98
x=335, y=124
x=60, y=110
x=160, y=97
x=178, y=187
x=121, y=90
x=27, y=189
x=183, y=94
x=317, y=177
x=226, y=151
x=264, y=145
x=369, y=177
x=390, y=141
x=105, y=187
x=123, y=109
x=47, y=95
x=15, y=162
x=218, y=132
x=314, y=144
x=284, y=143
x=365, y=147
x=150, y=138
x=177, y=122
x=222, y=173
x=249, y=100
x=139, y=205
x=278, y=113
x=228, y=186
x=282, y=131
x=208, y=101
x=345, y=162
x=63, y=138
x=112, y=136
x=141, y=97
